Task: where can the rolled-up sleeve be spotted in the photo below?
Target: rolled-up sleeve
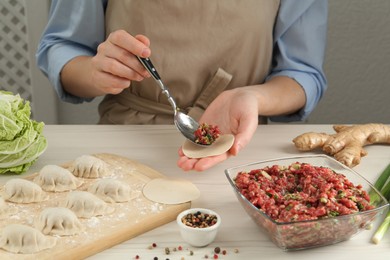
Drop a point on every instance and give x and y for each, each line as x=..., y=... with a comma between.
x=300, y=42
x=75, y=28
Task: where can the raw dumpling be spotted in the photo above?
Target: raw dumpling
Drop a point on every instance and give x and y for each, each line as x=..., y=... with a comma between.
x=23, y=191
x=57, y=179
x=111, y=190
x=88, y=166
x=5, y=209
x=23, y=239
x=58, y=221
x=86, y=205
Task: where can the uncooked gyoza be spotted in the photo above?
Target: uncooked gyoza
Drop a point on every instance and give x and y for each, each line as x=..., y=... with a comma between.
x=57, y=179
x=17, y=238
x=88, y=166
x=86, y=205
x=111, y=190
x=58, y=221
x=23, y=191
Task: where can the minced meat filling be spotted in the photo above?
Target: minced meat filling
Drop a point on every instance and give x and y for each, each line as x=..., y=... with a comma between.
x=206, y=134
x=301, y=192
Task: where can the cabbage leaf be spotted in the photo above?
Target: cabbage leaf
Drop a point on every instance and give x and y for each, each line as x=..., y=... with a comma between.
x=21, y=138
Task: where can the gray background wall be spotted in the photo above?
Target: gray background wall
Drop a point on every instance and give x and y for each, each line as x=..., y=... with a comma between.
x=357, y=66
x=357, y=63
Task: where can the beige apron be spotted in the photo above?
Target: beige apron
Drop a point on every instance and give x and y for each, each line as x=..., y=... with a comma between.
x=199, y=47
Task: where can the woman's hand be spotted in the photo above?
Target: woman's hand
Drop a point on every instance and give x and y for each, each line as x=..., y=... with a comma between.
x=234, y=112
x=111, y=70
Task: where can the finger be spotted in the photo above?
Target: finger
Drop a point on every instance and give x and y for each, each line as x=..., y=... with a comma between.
x=208, y=162
x=246, y=129
x=142, y=38
x=186, y=163
x=126, y=41
x=110, y=84
x=128, y=65
x=118, y=69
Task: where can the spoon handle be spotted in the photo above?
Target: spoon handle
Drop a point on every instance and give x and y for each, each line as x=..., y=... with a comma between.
x=147, y=63
x=150, y=67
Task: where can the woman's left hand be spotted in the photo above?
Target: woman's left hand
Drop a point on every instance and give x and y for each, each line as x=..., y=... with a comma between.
x=234, y=112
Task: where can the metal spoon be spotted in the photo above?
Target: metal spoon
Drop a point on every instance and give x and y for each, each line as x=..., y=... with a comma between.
x=184, y=123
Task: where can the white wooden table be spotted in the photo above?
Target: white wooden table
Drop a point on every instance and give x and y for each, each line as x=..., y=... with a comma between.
x=156, y=146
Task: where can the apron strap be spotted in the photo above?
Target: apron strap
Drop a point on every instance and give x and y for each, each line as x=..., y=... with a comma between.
x=143, y=105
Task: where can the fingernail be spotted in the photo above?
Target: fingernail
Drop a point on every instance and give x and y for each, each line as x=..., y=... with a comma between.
x=145, y=52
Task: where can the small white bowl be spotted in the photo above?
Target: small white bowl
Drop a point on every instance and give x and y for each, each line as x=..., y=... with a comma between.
x=198, y=236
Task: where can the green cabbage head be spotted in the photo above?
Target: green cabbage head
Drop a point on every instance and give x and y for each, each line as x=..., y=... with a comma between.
x=21, y=139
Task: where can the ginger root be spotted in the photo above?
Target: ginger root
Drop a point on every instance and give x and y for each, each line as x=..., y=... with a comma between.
x=347, y=144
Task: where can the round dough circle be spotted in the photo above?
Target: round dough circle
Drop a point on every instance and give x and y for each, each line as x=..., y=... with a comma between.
x=170, y=191
x=220, y=146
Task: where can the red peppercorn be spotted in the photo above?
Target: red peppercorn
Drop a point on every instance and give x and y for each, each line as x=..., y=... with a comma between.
x=154, y=244
x=224, y=252
x=215, y=256
x=137, y=257
x=180, y=248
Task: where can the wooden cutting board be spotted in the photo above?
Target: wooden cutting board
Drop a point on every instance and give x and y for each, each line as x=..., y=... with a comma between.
x=129, y=219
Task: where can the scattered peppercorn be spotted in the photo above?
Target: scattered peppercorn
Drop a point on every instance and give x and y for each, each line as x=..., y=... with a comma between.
x=217, y=250
x=236, y=251
x=167, y=251
x=215, y=256
x=154, y=245
x=224, y=252
x=206, y=256
x=179, y=248
x=191, y=252
x=155, y=258
x=137, y=257
x=174, y=249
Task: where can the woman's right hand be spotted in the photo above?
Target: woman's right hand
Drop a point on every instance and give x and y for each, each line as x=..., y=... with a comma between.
x=111, y=70
x=115, y=65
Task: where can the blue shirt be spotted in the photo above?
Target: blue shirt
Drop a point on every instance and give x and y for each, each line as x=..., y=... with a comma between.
x=75, y=28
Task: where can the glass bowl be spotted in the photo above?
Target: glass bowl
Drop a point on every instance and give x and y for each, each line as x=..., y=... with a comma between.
x=306, y=234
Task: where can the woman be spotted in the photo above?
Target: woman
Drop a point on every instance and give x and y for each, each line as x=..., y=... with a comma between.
x=228, y=63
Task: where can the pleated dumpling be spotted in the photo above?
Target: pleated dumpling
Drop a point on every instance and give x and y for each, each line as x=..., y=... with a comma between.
x=111, y=190
x=58, y=221
x=88, y=166
x=57, y=179
x=86, y=205
x=23, y=191
x=17, y=238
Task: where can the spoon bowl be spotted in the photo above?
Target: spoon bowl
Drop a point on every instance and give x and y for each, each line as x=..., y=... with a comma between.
x=186, y=125
x=183, y=122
